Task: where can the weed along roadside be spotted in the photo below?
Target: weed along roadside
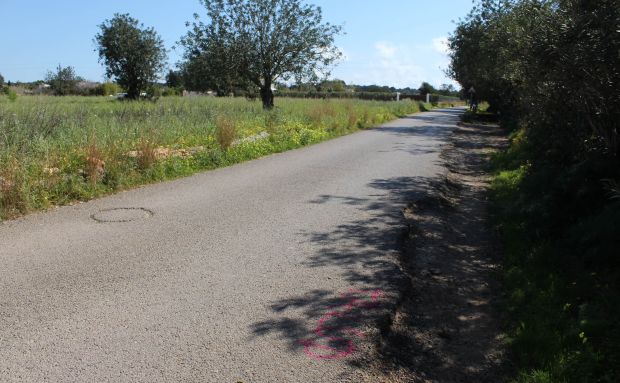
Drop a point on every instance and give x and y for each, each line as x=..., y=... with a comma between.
x=55, y=151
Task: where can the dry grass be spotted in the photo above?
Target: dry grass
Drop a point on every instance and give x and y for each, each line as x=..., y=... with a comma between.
x=12, y=201
x=95, y=165
x=146, y=155
x=225, y=132
x=352, y=119
x=320, y=112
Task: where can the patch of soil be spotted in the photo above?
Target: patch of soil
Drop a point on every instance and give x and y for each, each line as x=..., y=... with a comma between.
x=447, y=327
x=162, y=152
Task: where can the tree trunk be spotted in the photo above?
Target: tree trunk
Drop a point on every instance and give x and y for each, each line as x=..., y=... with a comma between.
x=266, y=95
x=133, y=92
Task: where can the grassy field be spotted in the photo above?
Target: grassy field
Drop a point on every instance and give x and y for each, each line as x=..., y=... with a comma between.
x=57, y=150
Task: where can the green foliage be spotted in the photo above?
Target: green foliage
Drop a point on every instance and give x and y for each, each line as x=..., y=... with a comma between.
x=132, y=54
x=332, y=86
x=57, y=150
x=174, y=79
x=109, y=89
x=426, y=88
x=63, y=81
x=424, y=106
x=377, y=96
x=247, y=44
x=167, y=91
x=1, y=81
x=448, y=90
x=11, y=94
x=551, y=70
x=561, y=278
x=154, y=92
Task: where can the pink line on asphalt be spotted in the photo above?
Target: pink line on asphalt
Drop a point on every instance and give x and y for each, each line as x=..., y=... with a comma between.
x=310, y=345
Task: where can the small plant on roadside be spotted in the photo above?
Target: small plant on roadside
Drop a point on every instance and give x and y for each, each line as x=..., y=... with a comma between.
x=146, y=154
x=95, y=165
x=12, y=201
x=225, y=132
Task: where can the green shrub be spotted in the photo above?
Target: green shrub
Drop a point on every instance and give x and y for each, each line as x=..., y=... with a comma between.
x=11, y=94
x=109, y=89
x=560, y=272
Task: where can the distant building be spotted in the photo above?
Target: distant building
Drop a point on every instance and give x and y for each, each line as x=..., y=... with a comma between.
x=86, y=85
x=40, y=89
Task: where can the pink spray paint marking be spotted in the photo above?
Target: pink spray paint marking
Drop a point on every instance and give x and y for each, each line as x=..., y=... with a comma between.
x=335, y=330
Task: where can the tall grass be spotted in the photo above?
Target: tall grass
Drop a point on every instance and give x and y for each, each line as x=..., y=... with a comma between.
x=54, y=150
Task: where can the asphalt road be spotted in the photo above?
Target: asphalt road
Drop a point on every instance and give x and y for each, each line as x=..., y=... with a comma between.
x=273, y=270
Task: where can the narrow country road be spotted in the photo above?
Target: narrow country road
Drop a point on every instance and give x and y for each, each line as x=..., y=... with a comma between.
x=274, y=270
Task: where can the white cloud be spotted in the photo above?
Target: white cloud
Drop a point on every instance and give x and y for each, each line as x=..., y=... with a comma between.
x=398, y=64
x=386, y=49
x=395, y=65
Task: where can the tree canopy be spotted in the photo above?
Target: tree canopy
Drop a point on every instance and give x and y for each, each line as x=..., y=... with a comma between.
x=133, y=55
x=253, y=43
x=426, y=88
x=546, y=61
x=550, y=69
x=63, y=80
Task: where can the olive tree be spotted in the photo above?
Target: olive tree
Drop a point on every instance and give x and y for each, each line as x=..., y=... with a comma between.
x=254, y=43
x=133, y=55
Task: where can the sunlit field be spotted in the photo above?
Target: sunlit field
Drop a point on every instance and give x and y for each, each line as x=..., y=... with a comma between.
x=55, y=150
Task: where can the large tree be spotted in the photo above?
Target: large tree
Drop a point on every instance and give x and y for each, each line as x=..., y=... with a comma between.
x=257, y=42
x=133, y=55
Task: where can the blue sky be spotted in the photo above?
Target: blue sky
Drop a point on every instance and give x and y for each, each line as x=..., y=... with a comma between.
x=387, y=42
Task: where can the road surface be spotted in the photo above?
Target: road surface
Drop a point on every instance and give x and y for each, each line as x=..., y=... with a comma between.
x=277, y=269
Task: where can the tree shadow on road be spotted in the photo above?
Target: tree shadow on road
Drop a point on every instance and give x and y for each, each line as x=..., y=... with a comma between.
x=438, y=255
x=447, y=327
x=327, y=324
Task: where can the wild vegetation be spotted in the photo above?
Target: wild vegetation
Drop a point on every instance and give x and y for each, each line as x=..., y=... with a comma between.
x=550, y=70
x=56, y=150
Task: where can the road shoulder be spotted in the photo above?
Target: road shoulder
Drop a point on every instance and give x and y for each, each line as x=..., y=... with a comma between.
x=447, y=326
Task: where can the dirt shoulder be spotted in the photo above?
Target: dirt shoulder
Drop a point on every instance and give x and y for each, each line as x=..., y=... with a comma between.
x=447, y=327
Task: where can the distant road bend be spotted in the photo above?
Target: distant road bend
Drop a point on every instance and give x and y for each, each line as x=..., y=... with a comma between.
x=269, y=271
